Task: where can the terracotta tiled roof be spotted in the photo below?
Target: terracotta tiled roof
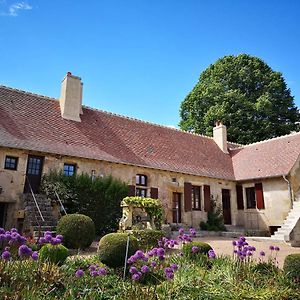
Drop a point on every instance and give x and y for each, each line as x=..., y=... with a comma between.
x=29, y=121
x=269, y=158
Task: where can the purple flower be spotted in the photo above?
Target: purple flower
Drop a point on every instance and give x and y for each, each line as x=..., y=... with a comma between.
x=79, y=273
x=262, y=253
x=161, y=257
x=102, y=272
x=35, y=255
x=145, y=269
x=169, y=273
x=181, y=231
x=180, y=253
x=42, y=241
x=5, y=255
x=60, y=237
x=92, y=267
x=2, y=231
x=160, y=251
x=48, y=238
x=174, y=267
x=211, y=254
x=48, y=233
x=195, y=249
x=271, y=248
x=276, y=248
x=139, y=254
x=192, y=232
x=153, y=264
x=133, y=270
x=136, y=276
x=94, y=273
x=242, y=239
x=14, y=230
x=233, y=243
x=24, y=250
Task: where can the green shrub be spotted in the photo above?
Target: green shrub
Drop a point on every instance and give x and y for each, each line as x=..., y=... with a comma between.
x=203, y=249
x=78, y=231
x=291, y=266
x=148, y=238
x=56, y=254
x=112, y=249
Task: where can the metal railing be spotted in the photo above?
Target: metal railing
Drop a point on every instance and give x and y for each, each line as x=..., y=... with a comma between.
x=61, y=205
x=34, y=199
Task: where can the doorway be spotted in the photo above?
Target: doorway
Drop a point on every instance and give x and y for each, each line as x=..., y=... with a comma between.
x=3, y=213
x=176, y=207
x=226, y=206
x=33, y=173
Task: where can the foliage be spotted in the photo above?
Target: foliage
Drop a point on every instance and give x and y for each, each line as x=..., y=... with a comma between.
x=188, y=249
x=148, y=238
x=215, y=221
x=78, y=231
x=244, y=93
x=56, y=254
x=291, y=266
x=151, y=206
x=112, y=248
x=99, y=198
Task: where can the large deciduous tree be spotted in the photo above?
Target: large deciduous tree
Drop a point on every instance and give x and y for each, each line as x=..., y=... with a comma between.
x=244, y=93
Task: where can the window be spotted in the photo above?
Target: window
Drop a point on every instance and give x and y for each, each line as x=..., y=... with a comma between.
x=141, y=192
x=11, y=163
x=141, y=179
x=196, y=197
x=250, y=195
x=69, y=169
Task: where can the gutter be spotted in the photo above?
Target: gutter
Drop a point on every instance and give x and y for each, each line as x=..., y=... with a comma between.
x=290, y=190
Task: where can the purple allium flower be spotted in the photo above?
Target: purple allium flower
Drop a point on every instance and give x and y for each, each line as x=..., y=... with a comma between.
x=160, y=243
x=48, y=238
x=180, y=253
x=79, y=273
x=211, y=254
x=181, y=231
x=48, y=233
x=5, y=255
x=24, y=250
x=60, y=237
x=276, y=248
x=139, y=254
x=133, y=270
x=262, y=253
x=192, y=232
x=136, y=277
x=271, y=248
x=233, y=243
x=102, y=272
x=242, y=239
x=168, y=270
x=249, y=253
x=131, y=259
x=153, y=264
x=160, y=251
x=2, y=231
x=14, y=230
x=169, y=274
x=94, y=273
x=35, y=255
x=235, y=251
x=161, y=257
x=145, y=269
x=174, y=267
x=195, y=249
x=42, y=241
x=92, y=267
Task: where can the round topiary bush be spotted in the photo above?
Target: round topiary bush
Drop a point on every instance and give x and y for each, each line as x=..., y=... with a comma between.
x=56, y=254
x=78, y=231
x=112, y=248
x=195, y=249
x=291, y=266
x=148, y=239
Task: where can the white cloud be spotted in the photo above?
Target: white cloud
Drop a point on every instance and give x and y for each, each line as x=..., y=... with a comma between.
x=15, y=8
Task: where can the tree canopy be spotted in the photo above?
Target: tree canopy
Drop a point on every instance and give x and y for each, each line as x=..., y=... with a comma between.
x=243, y=92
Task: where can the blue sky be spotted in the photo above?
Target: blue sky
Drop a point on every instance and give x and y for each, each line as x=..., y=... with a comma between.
x=140, y=58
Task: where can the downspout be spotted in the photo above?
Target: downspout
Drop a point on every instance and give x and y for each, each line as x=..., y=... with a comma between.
x=290, y=189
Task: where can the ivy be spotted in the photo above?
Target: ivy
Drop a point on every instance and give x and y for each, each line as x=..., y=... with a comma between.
x=151, y=206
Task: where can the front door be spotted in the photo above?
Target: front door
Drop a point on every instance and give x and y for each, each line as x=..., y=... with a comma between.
x=33, y=173
x=3, y=209
x=176, y=208
x=226, y=206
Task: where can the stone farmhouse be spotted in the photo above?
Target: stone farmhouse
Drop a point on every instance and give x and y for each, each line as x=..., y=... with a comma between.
x=256, y=185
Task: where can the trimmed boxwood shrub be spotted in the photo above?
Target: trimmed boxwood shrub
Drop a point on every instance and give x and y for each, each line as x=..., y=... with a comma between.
x=78, y=231
x=148, y=238
x=112, y=249
x=203, y=249
x=56, y=254
x=291, y=266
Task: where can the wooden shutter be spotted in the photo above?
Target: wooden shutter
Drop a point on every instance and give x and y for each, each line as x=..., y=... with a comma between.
x=260, y=204
x=131, y=190
x=239, y=197
x=154, y=193
x=187, y=196
x=207, y=201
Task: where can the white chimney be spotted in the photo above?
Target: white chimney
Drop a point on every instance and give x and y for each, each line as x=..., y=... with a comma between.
x=220, y=136
x=71, y=97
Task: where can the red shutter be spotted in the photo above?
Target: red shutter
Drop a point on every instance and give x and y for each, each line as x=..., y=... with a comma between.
x=154, y=193
x=131, y=190
x=239, y=197
x=187, y=196
x=260, y=204
x=207, y=201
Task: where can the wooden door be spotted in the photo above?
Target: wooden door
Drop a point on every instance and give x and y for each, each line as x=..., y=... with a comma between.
x=226, y=206
x=3, y=209
x=33, y=173
x=176, y=208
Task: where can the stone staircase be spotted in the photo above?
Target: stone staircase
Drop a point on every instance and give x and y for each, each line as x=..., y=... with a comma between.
x=285, y=232
x=33, y=219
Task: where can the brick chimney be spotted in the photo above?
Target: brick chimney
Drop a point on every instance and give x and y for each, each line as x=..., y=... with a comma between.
x=71, y=97
x=220, y=136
